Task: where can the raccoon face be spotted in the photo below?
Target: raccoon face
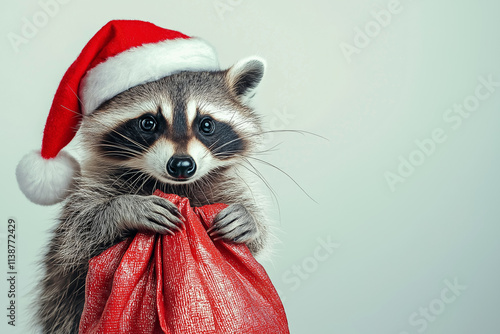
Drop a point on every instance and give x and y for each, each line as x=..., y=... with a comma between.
x=180, y=128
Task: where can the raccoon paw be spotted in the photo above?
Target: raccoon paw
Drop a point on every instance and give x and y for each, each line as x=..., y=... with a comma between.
x=234, y=223
x=149, y=214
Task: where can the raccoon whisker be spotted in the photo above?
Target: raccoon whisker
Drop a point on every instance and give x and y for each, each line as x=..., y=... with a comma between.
x=89, y=191
x=228, y=143
x=236, y=124
x=118, y=154
x=130, y=140
x=156, y=184
x=139, y=145
x=76, y=95
x=185, y=190
x=128, y=172
x=249, y=188
x=134, y=186
x=228, y=153
x=271, y=149
x=191, y=192
x=163, y=187
x=218, y=154
x=136, y=182
x=213, y=145
x=124, y=148
x=211, y=183
x=231, y=119
x=266, y=132
x=285, y=173
x=120, y=173
x=123, y=153
x=143, y=183
x=192, y=189
x=73, y=111
x=302, y=132
x=207, y=182
x=238, y=139
x=199, y=186
x=122, y=135
x=188, y=190
x=257, y=173
x=125, y=173
x=268, y=186
x=262, y=152
x=210, y=148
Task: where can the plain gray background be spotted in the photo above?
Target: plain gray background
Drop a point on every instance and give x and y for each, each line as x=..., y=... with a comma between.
x=377, y=78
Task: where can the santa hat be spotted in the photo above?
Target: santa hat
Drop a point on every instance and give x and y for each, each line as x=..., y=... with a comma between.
x=121, y=55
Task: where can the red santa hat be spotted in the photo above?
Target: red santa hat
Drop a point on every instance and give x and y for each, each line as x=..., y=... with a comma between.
x=121, y=55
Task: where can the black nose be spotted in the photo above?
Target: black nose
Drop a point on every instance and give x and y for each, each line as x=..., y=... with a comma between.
x=181, y=167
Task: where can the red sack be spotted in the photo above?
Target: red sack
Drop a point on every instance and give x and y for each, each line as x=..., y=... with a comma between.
x=184, y=283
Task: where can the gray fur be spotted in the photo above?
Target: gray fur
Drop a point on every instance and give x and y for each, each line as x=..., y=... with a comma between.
x=114, y=200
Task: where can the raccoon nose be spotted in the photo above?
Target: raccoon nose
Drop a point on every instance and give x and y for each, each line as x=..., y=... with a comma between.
x=181, y=167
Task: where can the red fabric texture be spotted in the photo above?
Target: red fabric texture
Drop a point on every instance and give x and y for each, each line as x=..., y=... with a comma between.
x=114, y=38
x=182, y=283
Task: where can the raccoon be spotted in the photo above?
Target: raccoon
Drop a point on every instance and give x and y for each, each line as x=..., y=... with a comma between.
x=189, y=134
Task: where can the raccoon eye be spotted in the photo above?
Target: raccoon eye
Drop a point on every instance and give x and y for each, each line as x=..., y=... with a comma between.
x=147, y=123
x=207, y=126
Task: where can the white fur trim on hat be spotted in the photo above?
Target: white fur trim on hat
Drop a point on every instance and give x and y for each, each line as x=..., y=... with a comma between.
x=146, y=63
x=47, y=181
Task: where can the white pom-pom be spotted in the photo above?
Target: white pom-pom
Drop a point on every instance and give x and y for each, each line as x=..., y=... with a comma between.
x=47, y=181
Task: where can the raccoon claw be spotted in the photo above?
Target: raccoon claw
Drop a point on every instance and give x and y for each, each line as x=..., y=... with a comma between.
x=168, y=210
x=162, y=227
x=149, y=214
x=234, y=223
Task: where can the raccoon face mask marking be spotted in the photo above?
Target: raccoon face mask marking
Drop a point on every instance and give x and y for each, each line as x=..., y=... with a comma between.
x=133, y=137
x=218, y=137
x=180, y=128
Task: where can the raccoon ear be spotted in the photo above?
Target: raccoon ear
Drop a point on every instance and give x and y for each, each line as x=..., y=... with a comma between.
x=245, y=76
